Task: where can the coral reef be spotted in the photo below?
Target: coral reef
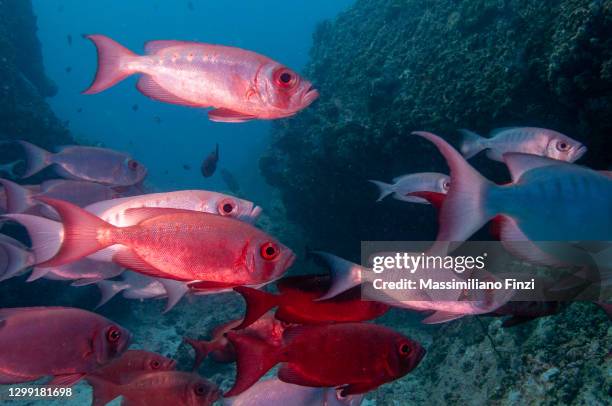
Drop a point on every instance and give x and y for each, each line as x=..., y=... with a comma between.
x=387, y=67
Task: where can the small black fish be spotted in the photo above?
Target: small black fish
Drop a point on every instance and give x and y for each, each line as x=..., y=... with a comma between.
x=157, y=119
x=230, y=181
x=209, y=165
x=135, y=107
x=80, y=110
x=69, y=39
x=187, y=167
x=68, y=69
x=166, y=172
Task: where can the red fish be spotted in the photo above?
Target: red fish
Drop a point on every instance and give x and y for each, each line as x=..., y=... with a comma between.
x=297, y=303
x=157, y=389
x=62, y=342
x=131, y=363
x=241, y=85
x=210, y=163
x=358, y=356
x=175, y=244
x=266, y=328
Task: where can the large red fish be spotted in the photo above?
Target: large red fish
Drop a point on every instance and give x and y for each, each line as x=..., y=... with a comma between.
x=267, y=328
x=358, y=356
x=162, y=388
x=61, y=342
x=131, y=363
x=213, y=250
x=297, y=303
x=241, y=85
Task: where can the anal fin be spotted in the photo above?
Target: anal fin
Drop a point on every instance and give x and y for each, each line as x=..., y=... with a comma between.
x=290, y=374
x=129, y=259
x=224, y=115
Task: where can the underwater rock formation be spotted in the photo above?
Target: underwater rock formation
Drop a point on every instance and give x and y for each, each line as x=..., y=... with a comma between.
x=24, y=85
x=385, y=68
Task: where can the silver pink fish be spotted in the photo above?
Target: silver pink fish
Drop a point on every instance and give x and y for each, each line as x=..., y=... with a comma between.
x=240, y=85
x=91, y=164
x=20, y=199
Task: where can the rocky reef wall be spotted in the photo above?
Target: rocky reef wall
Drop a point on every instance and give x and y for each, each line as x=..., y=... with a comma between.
x=24, y=114
x=385, y=68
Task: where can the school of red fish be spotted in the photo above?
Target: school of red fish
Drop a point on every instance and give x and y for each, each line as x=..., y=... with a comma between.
x=94, y=225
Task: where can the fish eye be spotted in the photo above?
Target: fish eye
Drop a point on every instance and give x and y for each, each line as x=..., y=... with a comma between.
x=200, y=390
x=132, y=164
x=155, y=364
x=446, y=185
x=562, y=146
x=340, y=394
x=269, y=251
x=226, y=207
x=405, y=349
x=285, y=78
x=113, y=334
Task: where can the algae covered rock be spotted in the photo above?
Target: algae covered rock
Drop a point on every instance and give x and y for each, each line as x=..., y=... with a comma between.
x=385, y=68
x=24, y=84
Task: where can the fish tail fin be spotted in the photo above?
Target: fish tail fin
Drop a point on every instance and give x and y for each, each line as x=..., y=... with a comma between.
x=258, y=303
x=45, y=234
x=103, y=391
x=10, y=168
x=81, y=230
x=472, y=143
x=108, y=290
x=385, y=189
x=112, y=66
x=18, y=198
x=344, y=274
x=13, y=264
x=202, y=348
x=464, y=210
x=254, y=357
x=37, y=158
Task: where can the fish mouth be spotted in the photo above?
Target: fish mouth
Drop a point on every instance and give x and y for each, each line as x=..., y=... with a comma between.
x=579, y=153
x=255, y=213
x=310, y=95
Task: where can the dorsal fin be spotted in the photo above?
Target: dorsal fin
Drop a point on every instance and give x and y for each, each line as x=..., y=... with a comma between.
x=518, y=163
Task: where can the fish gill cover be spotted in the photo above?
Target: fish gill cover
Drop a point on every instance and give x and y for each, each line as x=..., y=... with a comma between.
x=383, y=68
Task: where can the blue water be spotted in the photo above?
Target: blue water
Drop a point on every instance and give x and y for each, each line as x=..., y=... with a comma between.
x=165, y=137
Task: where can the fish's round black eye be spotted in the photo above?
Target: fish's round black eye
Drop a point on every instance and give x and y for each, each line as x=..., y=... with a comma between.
x=200, y=390
x=132, y=164
x=269, y=251
x=562, y=146
x=226, y=207
x=113, y=334
x=404, y=349
x=286, y=77
x=155, y=364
